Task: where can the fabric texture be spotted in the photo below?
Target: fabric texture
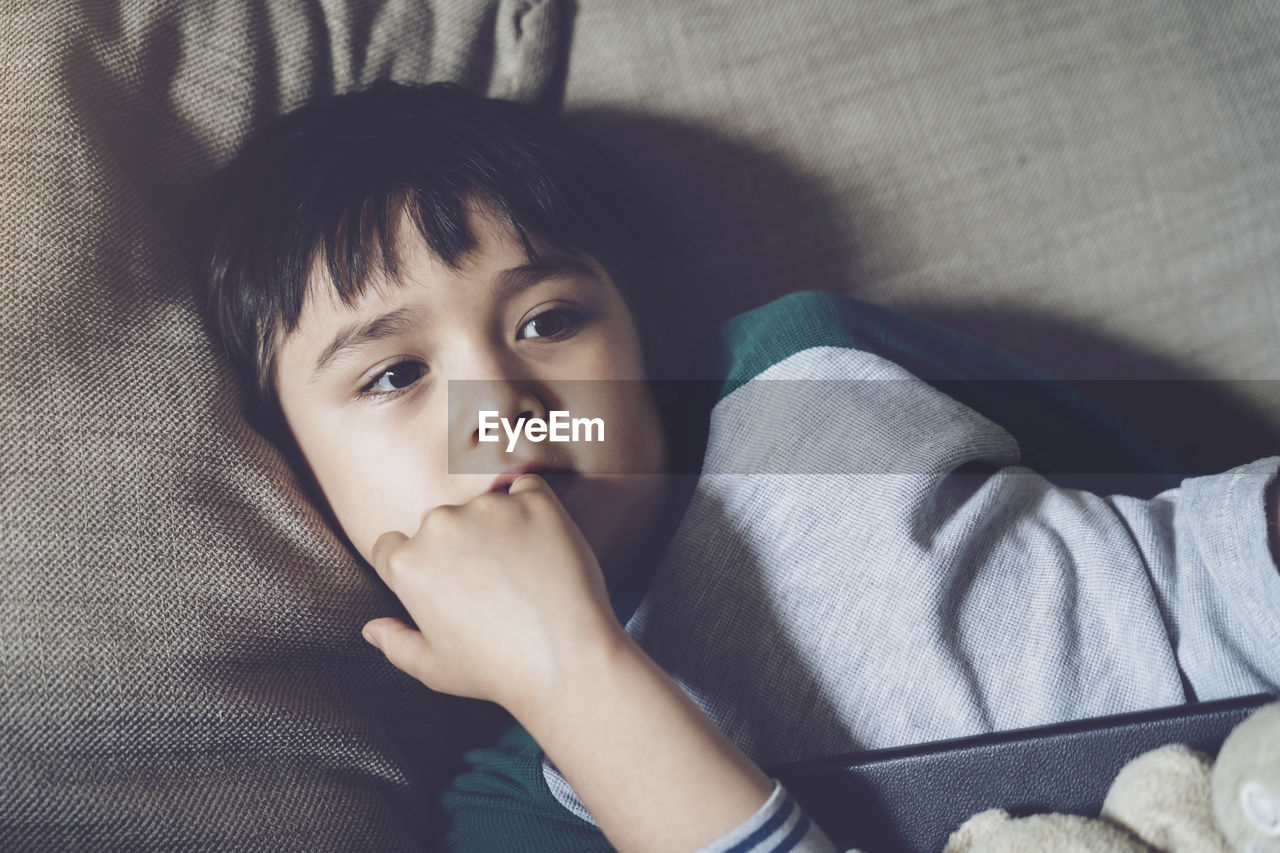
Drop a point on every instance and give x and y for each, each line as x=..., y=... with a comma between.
x=1165, y=797
x=502, y=803
x=1094, y=187
x=180, y=659
x=1159, y=802
x=889, y=575
x=780, y=826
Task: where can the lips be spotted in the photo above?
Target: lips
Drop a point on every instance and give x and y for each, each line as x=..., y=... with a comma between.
x=558, y=478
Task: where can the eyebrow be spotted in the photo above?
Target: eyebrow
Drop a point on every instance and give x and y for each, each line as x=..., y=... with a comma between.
x=512, y=281
x=509, y=282
x=387, y=325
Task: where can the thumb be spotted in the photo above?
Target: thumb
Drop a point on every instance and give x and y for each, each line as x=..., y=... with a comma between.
x=406, y=648
x=528, y=483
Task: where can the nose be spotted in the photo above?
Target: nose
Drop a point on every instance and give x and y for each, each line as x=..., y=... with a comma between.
x=507, y=400
x=510, y=397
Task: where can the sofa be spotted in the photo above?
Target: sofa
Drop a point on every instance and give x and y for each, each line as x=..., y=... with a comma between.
x=1093, y=187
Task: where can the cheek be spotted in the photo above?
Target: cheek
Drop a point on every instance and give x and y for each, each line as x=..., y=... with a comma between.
x=372, y=488
x=634, y=439
x=615, y=353
x=630, y=361
x=646, y=436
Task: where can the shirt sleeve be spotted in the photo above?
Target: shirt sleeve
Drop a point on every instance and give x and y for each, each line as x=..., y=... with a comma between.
x=865, y=564
x=1066, y=583
x=1206, y=549
x=1075, y=572
x=780, y=826
x=907, y=580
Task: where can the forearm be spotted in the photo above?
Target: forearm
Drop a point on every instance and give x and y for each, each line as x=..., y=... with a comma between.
x=654, y=772
x=512, y=607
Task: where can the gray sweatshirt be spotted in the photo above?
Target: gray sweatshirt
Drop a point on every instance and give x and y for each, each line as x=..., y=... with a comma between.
x=864, y=565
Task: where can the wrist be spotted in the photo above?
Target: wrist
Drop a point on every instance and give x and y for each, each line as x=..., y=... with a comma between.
x=621, y=731
x=584, y=659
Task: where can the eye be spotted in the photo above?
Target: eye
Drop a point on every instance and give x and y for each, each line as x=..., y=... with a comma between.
x=556, y=323
x=394, y=379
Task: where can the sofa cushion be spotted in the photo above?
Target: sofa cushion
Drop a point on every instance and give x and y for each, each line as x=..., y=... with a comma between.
x=1094, y=187
x=181, y=664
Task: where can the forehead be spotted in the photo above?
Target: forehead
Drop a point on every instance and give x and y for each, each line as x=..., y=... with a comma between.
x=497, y=265
x=425, y=289
x=495, y=246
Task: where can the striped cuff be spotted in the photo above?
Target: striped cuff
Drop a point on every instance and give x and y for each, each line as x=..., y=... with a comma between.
x=780, y=826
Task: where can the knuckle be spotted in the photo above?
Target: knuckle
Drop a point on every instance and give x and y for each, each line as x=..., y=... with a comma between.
x=489, y=501
x=536, y=501
x=438, y=515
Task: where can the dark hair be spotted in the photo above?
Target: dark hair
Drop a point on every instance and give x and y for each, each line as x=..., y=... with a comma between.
x=326, y=182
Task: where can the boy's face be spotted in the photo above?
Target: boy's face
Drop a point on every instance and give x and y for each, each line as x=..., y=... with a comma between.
x=365, y=390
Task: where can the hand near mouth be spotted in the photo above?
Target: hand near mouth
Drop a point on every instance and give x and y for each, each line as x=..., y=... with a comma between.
x=504, y=589
x=512, y=608
x=555, y=475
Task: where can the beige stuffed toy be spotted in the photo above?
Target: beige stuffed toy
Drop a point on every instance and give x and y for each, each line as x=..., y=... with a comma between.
x=1172, y=800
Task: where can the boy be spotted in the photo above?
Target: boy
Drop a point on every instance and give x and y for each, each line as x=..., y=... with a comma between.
x=374, y=247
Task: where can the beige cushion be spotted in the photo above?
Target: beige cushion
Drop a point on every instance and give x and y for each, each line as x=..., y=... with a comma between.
x=1094, y=186
x=180, y=657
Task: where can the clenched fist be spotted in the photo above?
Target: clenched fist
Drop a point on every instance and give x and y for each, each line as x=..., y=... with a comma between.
x=506, y=593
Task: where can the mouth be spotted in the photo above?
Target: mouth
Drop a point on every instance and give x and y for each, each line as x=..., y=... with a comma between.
x=557, y=478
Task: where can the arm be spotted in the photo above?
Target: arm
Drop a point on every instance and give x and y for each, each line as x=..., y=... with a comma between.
x=513, y=609
x=918, y=566
x=635, y=747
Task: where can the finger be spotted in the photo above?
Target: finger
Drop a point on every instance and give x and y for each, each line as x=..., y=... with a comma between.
x=528, y=483
x=406, y=648
x=382, y=549
x=533, y=484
